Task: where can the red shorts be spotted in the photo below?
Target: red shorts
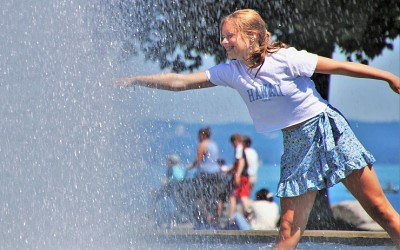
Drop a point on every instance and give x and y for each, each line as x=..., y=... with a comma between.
x=243, y=189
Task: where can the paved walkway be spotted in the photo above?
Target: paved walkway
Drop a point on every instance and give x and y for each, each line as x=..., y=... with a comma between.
x=359, y=238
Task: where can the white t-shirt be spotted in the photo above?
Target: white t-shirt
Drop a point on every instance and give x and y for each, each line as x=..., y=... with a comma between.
x=252, y=161
x=281, y=95
x=238, y=152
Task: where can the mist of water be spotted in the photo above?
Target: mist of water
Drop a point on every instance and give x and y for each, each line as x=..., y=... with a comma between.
x=72, y=172
x=74, y=156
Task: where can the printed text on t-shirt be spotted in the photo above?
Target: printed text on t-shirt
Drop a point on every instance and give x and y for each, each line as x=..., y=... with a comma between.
x=264, y=92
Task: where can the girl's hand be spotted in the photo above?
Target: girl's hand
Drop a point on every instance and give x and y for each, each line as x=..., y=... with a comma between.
x=123, y=82
x=395, y=84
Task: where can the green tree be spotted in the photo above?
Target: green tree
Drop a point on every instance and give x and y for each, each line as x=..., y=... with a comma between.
x=177, y=33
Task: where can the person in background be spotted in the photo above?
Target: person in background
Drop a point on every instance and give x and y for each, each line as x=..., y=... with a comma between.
x=320, y=148
x=208, y=182
x=191, y=173
x=264, y=216
x=237, y=144
x=224, y=168
x=253, y=161
x=175, y=170
x=240, y=181
x=226, y=178
x=166, y=199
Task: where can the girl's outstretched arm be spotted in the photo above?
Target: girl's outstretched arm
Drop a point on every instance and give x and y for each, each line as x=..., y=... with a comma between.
x=330, y=66
x=169, y=81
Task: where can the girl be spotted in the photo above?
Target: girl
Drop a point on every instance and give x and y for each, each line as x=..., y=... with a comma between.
x=320, y=149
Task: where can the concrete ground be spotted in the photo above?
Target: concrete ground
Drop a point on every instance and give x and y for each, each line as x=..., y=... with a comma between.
x=358, y=238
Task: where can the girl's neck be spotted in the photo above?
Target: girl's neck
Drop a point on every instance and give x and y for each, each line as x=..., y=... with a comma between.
x=255, y=69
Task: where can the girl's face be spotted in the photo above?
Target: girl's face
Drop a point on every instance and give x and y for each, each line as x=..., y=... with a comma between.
x=235, y=44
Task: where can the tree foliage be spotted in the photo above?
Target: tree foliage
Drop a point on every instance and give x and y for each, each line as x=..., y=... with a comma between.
x=177, y=33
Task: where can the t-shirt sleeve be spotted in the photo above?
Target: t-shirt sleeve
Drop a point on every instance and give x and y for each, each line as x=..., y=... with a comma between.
x=301, y=62
x=239, y=152
x=220, y=75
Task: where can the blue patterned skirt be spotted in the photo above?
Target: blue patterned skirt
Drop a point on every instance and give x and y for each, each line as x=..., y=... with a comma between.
x=319, y=154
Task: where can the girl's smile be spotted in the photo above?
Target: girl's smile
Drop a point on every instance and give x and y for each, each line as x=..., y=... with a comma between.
x=233, y=42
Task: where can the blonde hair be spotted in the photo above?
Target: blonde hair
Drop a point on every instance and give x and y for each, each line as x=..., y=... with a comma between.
x=249, y=23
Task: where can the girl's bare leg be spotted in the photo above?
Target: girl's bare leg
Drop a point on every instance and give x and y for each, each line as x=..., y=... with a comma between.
x=295, y=212
x=365, y=187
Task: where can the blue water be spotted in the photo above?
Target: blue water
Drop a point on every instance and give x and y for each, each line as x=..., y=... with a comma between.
x=268, y=177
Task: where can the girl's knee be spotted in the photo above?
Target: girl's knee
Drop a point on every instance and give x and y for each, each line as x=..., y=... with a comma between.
x=285, y=229
x=289, y=235
x=288, y=227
